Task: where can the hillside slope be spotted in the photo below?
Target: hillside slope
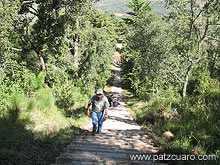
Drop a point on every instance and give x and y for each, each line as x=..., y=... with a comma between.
x=119, y=7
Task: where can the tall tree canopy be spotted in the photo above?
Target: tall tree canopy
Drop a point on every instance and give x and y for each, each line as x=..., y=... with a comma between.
x=193, y=24
x=190, y=39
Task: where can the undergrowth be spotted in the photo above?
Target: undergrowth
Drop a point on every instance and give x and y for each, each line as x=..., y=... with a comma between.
x=37, y=123
x=194, y=121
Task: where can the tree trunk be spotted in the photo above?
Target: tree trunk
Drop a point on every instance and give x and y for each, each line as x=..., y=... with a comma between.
x=76, y=47
x=185, y=86
x=2, y=62
x=42, y=61
x=185, y=83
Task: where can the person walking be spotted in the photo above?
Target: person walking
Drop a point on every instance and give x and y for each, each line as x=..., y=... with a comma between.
x=110, y=100
x=100, y=106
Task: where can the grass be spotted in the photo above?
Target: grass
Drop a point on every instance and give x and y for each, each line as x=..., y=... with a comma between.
x=22, y=146
x=192, y=135
x=35, y=134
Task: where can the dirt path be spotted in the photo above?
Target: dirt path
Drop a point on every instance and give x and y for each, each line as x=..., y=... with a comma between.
x=121, y=138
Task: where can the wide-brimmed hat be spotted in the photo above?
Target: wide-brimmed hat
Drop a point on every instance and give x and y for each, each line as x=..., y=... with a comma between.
x=99, y=91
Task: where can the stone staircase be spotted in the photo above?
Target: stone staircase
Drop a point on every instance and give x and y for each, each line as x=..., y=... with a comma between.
x=121, y=140
x=110, y=148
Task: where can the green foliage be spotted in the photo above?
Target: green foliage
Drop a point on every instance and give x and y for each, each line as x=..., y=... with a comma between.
x=77, y=44
x=160, y=55
x=148, y=112
x=195, y=128
x=191, y=43
x=70, y=98
x=39, y=83
x=45, y=99
x=28, y=120
x=18, y=140
x=138, y=6
x=95, y=62
x=18, y=102
x=9, y=15
x=145, y=53
x=96, y=46
x=199, y=121
x=4, y=103
x=172, y=58
x=155, y=57
x=49, y=103
x=183, y=146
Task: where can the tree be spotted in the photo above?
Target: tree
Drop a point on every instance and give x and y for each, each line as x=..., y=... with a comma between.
x=146, y=48
x=97, y=38
x=41, y=28
x=137, y=7
x=193, y=25
x=61, y=34
x=8, y=16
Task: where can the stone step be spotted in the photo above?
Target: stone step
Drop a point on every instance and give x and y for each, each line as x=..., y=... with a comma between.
x=116, y=133
x=100, y=163
x=66, y=158
x=113, y=135
x=109, y=154
x=97, y=139
x=110, y=163
x=118, y=146
x=96, y=156
x=112, y=141
x=97, y=145
x=104, y=139
x=93, y=144
x=106, y=142
x=78, y=149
